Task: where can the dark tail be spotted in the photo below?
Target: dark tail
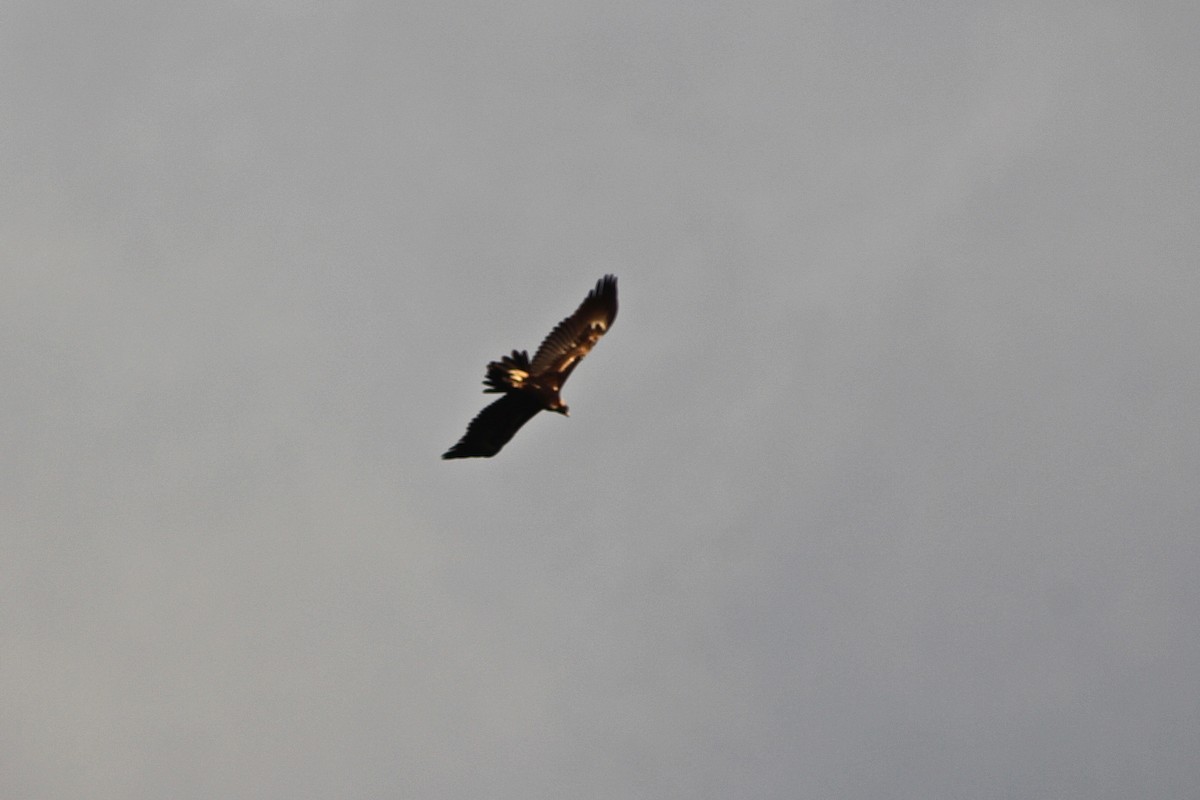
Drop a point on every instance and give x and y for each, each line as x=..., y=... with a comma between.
x=509, y=373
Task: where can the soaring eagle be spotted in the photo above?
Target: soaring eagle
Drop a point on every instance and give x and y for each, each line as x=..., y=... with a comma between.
x=529, y=387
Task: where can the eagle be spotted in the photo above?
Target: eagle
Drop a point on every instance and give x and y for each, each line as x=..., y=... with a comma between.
x=532, y=386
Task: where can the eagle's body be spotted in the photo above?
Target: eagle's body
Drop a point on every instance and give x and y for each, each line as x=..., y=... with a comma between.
x=532, y=386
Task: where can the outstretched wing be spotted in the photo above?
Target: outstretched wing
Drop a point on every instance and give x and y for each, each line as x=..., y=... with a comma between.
x=576, y=335
x=495, y=425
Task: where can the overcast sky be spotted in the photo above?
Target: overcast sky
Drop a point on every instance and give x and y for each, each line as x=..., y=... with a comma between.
x=883, y=485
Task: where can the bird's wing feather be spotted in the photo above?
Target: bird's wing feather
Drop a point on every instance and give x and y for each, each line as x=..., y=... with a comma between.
x=575, y=336
x=495, y=425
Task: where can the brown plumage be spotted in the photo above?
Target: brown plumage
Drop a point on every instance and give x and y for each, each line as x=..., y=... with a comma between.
x=532, y=386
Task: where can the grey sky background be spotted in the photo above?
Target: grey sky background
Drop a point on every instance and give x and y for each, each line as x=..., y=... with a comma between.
x=883, y=485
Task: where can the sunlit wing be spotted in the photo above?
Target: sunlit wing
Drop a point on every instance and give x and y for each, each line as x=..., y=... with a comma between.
x=575, y=336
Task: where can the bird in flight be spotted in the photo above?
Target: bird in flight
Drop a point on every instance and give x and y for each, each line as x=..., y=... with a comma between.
x=529, y=387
